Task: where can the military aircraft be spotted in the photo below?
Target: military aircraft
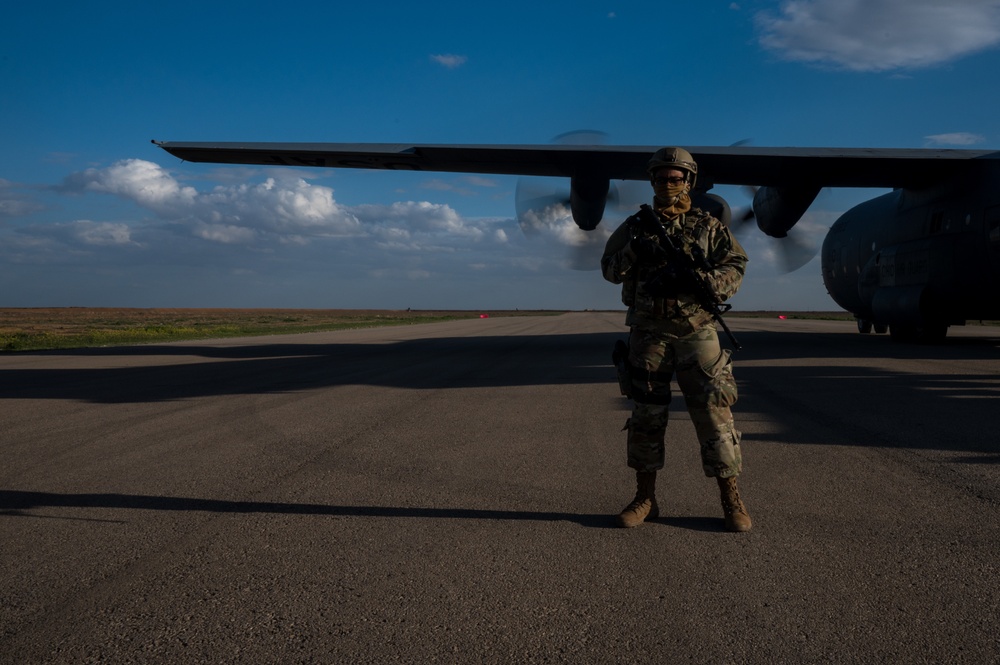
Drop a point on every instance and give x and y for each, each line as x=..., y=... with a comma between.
x=911, y=262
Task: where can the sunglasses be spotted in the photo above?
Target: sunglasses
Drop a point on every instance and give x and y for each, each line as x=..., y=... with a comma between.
x=673, y=180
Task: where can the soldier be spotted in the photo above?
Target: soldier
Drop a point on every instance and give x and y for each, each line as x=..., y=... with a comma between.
x=670, y=332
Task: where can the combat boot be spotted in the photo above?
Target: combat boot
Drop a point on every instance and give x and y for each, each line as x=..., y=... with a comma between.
x=643, y=506
x=737, y=517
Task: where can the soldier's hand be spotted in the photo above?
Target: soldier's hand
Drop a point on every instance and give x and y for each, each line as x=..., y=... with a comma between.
x=668, y=282
x=664, y=284
x=646, y=250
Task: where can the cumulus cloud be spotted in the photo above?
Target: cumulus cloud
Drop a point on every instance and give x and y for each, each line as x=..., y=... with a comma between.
x=880, y=35
x=449, y=60
x=555, y=221
x=227, y=213
x=553, y=225
x=284, y=208
x=144, y=182
x=418, y=217
x=269, y=228
x=271, y=213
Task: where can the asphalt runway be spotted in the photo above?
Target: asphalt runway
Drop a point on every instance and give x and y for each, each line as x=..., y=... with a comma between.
x=446, y=492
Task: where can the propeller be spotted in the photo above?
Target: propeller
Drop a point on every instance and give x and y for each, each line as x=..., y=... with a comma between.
x=791, y=252
x=543, y=210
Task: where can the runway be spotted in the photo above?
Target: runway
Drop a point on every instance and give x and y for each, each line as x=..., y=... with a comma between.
x=446, y=492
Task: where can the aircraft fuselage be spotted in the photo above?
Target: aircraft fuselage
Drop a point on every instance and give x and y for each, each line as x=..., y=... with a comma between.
x=918, y=261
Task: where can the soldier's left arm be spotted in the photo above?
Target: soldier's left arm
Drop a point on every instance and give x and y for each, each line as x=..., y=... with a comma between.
x=729, y=262
x=618, y=260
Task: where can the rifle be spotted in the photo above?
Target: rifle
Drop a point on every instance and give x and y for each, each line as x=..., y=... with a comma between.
x=687, y=268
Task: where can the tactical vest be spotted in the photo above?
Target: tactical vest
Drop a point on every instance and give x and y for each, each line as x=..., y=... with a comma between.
x=680, y=316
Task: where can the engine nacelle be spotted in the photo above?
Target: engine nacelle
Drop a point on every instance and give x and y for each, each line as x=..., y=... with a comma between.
x=714, y=205
x=588, y=194
x=778, y=208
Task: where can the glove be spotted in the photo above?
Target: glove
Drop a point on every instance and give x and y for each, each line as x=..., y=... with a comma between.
x=668, y=282
x=665, y=283
x=647, y=251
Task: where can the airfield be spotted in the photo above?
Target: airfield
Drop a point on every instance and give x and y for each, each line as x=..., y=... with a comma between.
x=445, y=493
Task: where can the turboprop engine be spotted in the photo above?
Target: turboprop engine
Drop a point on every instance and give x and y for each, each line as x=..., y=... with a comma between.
x=778, y=208
x=588, y=195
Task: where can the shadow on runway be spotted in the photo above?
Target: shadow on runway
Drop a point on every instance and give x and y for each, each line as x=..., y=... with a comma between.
x=861, y=377
x=13, y=503
x=871, y=396
x=462, y=362
x=455, y=362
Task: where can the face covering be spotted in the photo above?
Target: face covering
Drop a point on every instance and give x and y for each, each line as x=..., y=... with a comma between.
x=672, y=200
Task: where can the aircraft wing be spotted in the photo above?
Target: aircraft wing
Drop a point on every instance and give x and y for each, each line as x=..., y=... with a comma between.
x=735, y=165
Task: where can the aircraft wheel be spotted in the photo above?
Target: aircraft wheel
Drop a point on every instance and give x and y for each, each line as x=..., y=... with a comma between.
x=881, y=328
x=864, y=326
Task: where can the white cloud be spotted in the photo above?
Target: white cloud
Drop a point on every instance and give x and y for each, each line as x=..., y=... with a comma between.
x=102, y=233
x=480, y=181
x=14, y=203
x=880, y=35
x=229, y=214
x=419, y=217
x=553, y=230
x=278, y=211
x=449, y=60
x=955, y=138
x=264, y=233
x=556, y=222
x=144, y=182
x=291, y=211
x=294, y=207
x=549, y=219
x=68, y=241
x=225, y=233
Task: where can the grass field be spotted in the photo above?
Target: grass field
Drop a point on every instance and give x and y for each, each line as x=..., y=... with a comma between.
x=39, y=328
x=25, y=329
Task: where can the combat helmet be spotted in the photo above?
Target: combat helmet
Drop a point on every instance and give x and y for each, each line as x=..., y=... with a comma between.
x=673, y=158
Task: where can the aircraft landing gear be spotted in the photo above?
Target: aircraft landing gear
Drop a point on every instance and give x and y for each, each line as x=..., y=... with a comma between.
x=865, y=327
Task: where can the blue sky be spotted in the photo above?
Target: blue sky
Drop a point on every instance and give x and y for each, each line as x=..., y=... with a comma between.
x=92, y=214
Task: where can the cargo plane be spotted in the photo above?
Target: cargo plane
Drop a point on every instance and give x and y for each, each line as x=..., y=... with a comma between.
x=911, y=262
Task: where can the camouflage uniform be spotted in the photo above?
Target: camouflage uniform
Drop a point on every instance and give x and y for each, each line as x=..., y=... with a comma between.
x=674, y=335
